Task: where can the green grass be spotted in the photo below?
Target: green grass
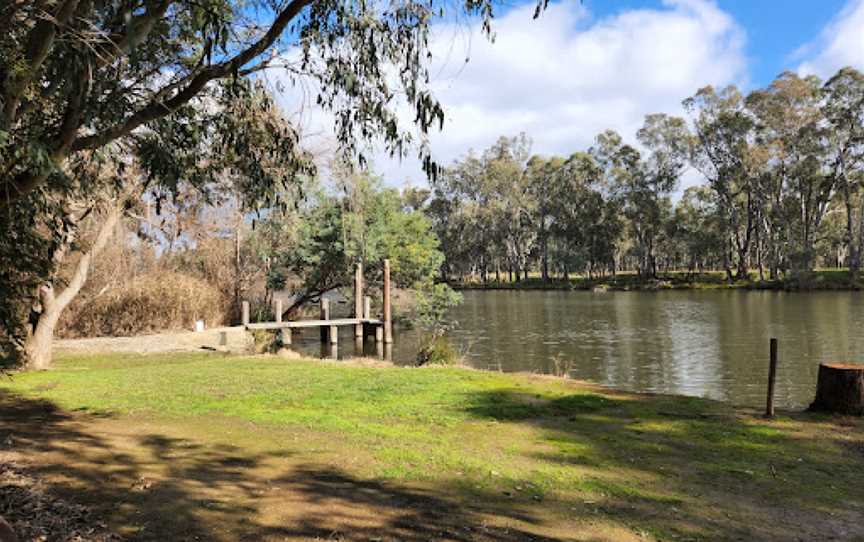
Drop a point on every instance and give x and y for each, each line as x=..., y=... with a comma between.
x=824, y=279
x=675, y=467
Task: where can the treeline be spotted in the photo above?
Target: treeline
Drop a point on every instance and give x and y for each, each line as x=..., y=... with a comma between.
x=781, y=192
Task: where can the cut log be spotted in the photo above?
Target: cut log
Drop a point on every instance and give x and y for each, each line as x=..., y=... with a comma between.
x=840, y=389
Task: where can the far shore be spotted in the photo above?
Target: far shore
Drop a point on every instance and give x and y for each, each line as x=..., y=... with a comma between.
x=820, y=280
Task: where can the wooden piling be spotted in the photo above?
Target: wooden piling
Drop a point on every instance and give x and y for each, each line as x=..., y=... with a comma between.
x=334, y=334
x=358, y=299
x=367, y=307
x=245, y=306
x=325, y=315
x=278, y=311
x=379, y=334
x=772, y=375
x=388, y=324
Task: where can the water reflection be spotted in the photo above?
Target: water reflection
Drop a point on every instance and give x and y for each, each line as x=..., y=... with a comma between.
x=709, y=343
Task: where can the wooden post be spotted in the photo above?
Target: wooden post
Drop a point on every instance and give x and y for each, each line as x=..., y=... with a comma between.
x=358, y=299
x=388, y=325
x=245, y=313
x=379, y=334
x=772, y=375
x=334, y=334
x=325, y=315
x=286, y=336
x=278, y=311
x=367, y=307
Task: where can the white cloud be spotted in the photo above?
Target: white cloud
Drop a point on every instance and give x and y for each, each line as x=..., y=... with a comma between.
x=567, y=76
x=840, y=44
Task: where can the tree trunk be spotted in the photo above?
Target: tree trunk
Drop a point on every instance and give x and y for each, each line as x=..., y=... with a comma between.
x=7, y=534
x=37, y=347
x=544, y=249
x=856, y=246
x=840, y=389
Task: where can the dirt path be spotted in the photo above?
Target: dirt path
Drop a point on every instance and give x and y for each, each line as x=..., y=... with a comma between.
x=185, y=341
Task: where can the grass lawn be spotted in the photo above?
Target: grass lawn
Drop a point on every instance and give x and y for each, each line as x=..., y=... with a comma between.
x=212, y=447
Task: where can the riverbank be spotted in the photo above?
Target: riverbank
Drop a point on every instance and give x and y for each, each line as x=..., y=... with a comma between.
x=261, y=447
x=835, y=279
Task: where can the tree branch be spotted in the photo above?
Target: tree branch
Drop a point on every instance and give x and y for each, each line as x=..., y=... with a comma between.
x=39, y=43
x=83, y=267
x=156, y=110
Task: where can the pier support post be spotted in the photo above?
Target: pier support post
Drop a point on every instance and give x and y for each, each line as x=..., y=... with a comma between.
x=367, y=307
x=388, y=325
x=245, y=311
x=278, y=310
x=358, y=300
x=325, y=315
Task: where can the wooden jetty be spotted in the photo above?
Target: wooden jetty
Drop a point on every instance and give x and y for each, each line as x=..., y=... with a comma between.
x=362, y=321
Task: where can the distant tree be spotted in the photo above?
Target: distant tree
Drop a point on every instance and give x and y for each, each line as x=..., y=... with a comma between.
x=844, y=111
x=700, y=227
x=793, y=139
x=723, y=152
x=542, y=175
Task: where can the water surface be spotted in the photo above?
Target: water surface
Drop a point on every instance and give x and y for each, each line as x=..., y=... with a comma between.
x=702, y=343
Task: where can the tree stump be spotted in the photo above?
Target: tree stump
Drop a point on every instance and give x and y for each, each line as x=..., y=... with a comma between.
x=840, y=389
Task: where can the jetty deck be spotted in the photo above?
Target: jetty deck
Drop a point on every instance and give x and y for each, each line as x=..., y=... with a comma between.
x=290, y=324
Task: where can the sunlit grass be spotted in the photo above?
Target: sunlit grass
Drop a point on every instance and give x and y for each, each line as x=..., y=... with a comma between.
x=519, y=436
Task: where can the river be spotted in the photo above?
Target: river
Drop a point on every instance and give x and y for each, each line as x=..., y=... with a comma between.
x=702, y=343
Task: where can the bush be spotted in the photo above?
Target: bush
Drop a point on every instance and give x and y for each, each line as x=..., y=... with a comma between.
x=156, y=301
x=437, y=351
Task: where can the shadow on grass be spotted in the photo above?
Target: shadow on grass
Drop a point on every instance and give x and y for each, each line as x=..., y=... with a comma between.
x=691, y=468
x=157, y=487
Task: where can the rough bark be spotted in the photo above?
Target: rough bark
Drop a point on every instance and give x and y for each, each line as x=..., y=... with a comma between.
x=37, y=347
x=840, y=389
x=6, y=532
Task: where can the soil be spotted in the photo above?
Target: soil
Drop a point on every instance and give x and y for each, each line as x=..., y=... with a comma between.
x=237, y=340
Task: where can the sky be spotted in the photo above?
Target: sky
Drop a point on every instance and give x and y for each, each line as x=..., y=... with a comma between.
x=591, y=65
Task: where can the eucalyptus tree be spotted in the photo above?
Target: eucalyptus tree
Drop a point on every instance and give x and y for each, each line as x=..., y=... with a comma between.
x=76, y=75
x=843, y=109
x=644, y=184
x=584, y=225
x=700, y=227
x=83, y=81
x=510, y=199
x=723, y=152
x=794, y=139
x=543, y=177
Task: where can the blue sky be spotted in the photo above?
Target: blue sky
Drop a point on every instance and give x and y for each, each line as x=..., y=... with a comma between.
x=587, y=66
x=775, y=29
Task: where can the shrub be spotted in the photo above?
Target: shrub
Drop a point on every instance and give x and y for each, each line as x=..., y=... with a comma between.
x=156, y=301
x=437, y=351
